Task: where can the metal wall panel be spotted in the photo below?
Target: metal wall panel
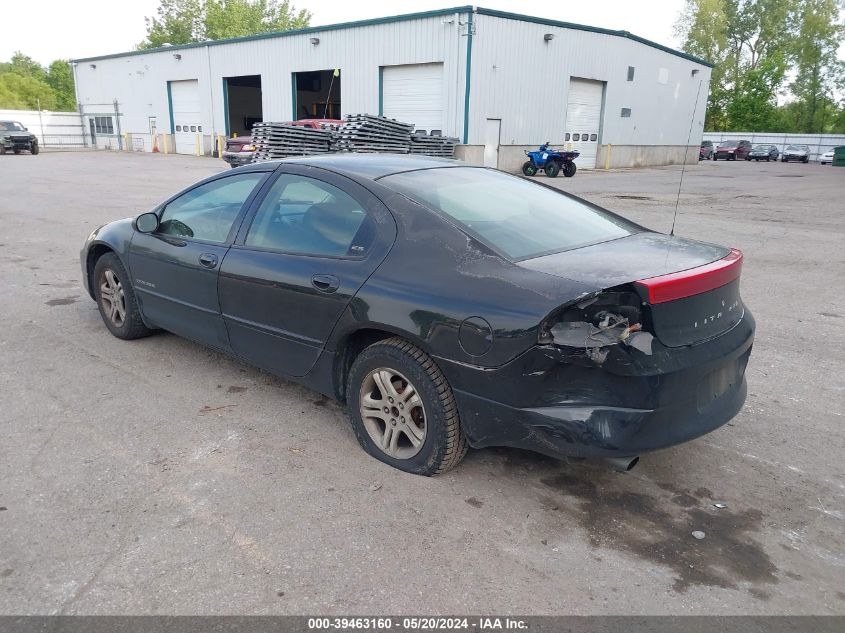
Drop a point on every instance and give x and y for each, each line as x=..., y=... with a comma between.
x=139, y=82
x=517, y=76
x=521, y=78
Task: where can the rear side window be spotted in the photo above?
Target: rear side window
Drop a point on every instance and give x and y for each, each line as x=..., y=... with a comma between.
x=308, y=216
x=515, y=217
x=207, y=212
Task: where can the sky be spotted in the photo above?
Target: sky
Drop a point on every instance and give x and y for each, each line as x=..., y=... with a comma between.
x=65, y=29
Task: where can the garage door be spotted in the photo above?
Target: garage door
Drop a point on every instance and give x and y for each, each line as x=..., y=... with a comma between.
x=185, y=101
x=583, y=119
x=414, y=94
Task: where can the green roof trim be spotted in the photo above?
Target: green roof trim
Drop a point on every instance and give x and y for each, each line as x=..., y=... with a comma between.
x=593, y=29
x=403, y=18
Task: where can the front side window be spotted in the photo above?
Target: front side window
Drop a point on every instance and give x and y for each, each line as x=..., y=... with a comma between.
x=207, y=212
x=513, y=216
x=307, y=216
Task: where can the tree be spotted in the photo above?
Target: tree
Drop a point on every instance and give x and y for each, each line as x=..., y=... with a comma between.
x=703, y=27
x=817, y=69
x=60, y=79
x=186, y=21
x=18, y=92
x=24, y=84
x=755, y=45
x=754, y=107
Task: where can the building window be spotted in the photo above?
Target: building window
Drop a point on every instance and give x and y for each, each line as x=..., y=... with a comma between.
x=103, y=125
x=631, y=70
x=193, y=128
x=576, y=137
x=594, y=137
x=178, y=128
x=626, y=112
x=567, y=136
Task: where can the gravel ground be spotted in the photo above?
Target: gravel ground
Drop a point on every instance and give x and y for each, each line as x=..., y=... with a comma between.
x=157, y=476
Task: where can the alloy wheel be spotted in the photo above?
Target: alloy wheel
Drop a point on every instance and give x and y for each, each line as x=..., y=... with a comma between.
x=393, y=413
x=112, y=297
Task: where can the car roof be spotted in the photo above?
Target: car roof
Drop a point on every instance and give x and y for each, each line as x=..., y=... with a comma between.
x=370, y=166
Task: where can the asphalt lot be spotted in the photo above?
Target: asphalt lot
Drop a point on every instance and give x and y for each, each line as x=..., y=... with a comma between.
x=156, y=476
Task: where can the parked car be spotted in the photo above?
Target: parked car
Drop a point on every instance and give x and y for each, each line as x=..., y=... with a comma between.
x=763, y=152
x=15, y=138
x=447, y=305
x=732, y=150
x=796, y=152
x=827, y=158
x=240, y=150
x=706, y=150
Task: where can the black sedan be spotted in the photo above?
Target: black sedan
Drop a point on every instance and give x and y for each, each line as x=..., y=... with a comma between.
x=448, y=306
x=764, y=152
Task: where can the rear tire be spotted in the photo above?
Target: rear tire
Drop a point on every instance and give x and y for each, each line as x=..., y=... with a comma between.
x=379, y=379
x=529, y=168
x=569, y=169
x=116, y=299
x=552, y=169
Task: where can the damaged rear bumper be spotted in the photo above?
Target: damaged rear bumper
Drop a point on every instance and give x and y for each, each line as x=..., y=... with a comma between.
x=556, y=401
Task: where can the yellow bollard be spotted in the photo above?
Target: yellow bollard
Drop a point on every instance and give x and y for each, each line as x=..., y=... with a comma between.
x=220, y=145
x=126, y=142
x=607, y=158
x=198, y=146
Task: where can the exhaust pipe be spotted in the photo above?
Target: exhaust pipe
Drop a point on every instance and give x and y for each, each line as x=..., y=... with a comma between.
x=622, y=464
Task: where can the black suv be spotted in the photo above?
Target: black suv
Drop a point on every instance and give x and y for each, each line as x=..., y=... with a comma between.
x=14, y=137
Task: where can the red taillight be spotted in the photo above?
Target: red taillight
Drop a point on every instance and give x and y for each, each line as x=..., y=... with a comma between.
x=687, y=283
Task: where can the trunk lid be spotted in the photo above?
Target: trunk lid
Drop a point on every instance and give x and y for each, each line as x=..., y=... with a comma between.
x=689, y=289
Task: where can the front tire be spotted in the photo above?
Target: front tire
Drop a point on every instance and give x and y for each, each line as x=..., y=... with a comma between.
x=402, y=408
x=116, y=299
x=34, y=151
x=529, y=168
x=552, y=169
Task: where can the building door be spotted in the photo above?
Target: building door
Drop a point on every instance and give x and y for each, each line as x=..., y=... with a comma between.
x=492, y=130
x=583, y=119
x=185, y=104
x=413, y=93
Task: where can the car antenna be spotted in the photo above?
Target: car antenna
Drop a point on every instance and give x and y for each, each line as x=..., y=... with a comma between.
x=684, y=166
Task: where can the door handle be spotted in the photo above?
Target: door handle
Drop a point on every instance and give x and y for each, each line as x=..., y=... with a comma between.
x=325, y=283
x=209, y=260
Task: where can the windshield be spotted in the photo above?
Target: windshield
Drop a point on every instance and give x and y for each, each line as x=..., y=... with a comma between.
x=11, y=126
x=513, y=216
x=729, y=144
x=794, y=148
x=763, y=148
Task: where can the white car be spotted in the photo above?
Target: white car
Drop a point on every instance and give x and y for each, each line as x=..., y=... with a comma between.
x=827, y=158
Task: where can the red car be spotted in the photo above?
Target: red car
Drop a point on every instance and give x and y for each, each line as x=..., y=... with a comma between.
x=240, y=150
x=733, y=150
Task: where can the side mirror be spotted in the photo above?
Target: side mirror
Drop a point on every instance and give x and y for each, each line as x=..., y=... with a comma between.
x=146, y=222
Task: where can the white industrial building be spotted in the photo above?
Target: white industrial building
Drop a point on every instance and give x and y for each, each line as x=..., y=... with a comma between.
x=500, y=82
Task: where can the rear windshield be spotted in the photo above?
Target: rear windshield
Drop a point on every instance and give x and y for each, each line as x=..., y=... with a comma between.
x=513, y=216
x=729, y=144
